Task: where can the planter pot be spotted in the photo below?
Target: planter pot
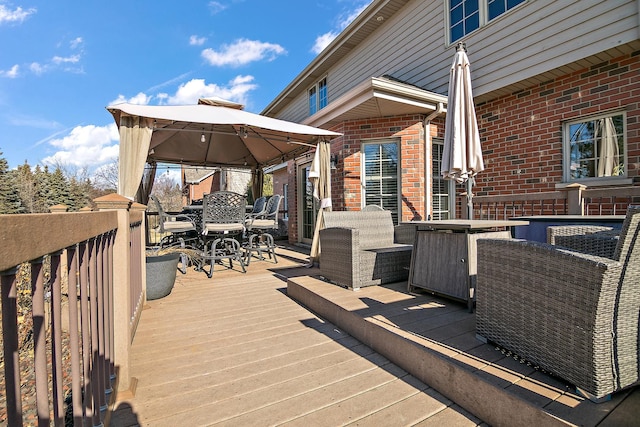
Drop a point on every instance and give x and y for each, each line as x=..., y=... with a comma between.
x=161, y=274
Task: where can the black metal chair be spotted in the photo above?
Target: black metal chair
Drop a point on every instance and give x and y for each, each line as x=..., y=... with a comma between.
x=259, y=208
x=260, y=241
x=176, y=230
x=223, y=217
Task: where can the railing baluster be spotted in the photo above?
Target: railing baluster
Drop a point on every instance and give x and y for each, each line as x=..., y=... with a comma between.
x=9, y=288
x=85, y=328
x=74, y=336
x=40, y=342
x=56, y=339
x=94, y=379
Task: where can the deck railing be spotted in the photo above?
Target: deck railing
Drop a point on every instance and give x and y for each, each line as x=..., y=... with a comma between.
x=61, y=332
x=573, y=200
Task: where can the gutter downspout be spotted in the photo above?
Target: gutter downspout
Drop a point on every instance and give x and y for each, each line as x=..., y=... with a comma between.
x=428, y=151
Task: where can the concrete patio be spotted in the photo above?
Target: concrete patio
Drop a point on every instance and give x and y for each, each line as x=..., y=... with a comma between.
x=279, y=346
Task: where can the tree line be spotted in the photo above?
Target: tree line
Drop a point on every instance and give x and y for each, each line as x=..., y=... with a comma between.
x=27, y=189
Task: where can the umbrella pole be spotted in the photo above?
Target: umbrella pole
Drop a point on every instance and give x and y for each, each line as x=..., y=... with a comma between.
x=469, y=198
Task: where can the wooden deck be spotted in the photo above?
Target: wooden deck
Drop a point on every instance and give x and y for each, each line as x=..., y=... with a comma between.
x=244, y=349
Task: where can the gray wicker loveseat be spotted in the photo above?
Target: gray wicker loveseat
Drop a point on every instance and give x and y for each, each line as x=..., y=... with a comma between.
x=358, y=249
x=573, y=314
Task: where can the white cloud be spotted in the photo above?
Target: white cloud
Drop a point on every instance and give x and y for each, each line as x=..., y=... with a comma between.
x=139, y=99
x=76, y=43
x=236, y=90
x=37, y=68
x=197, y=41
x=17, y=15
x=86, y=146
x=11, y=73
x=323, y=40
x=216, y=7
x=73, y=59
x=242, y=52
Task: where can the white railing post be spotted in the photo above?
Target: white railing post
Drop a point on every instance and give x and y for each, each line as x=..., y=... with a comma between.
x=121, y=289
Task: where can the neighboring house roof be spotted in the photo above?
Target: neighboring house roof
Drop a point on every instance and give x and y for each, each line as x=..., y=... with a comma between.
x=195, y=175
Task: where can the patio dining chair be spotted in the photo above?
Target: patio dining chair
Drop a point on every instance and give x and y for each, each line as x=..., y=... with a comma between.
x=223, y=217
x=260, y=240
x=259, y=208
x=573, y=314
x=176, y=230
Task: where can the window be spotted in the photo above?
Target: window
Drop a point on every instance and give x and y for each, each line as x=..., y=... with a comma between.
x=441, y=199
x=381, y=165
x=466, y=16
x=595, y=147
x=318, y=98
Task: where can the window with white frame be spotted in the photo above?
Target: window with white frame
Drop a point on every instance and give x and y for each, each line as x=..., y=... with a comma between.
x=318, y=96
x=595, y=147
x=443, y=190
x=466, y=16
x=381, y=175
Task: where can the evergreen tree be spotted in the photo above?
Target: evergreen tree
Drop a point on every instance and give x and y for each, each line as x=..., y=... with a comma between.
x=41, y=188
x=10, y=202
x=26, y=185
x=58, y=191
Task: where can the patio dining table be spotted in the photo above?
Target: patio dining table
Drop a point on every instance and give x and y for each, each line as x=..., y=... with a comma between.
x=444, y=260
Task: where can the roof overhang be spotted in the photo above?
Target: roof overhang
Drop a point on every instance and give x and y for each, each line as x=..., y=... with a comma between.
x=378, y=97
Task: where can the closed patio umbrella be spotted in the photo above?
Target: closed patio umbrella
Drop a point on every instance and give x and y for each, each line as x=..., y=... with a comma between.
x=608, y=162
x=462, y=156
x=320, y=177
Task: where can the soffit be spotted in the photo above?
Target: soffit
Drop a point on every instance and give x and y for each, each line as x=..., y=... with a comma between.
x=378, y=97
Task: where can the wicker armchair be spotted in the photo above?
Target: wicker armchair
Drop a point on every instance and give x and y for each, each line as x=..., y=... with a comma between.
x=358, y=249
x=590, y=239
x=573, y=314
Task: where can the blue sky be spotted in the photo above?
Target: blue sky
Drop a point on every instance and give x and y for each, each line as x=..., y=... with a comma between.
x=62, y=62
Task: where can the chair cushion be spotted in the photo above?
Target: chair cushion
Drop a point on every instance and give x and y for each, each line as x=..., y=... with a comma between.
x=222, y=228
x=178, y=226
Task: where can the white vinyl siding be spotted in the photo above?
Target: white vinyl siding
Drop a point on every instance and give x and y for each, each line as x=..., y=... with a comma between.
x=532, y=39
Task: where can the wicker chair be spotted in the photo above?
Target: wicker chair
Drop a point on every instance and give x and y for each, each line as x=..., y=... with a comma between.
x=358, y=249
x=590, y=239
x=573, y=314
x=223, y=216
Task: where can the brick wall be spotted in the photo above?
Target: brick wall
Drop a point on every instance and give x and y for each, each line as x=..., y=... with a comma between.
x=346, y=180
x=521, y=133
x=521, y=137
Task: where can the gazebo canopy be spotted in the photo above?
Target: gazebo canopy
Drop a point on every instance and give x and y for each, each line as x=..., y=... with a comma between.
x=211, y=133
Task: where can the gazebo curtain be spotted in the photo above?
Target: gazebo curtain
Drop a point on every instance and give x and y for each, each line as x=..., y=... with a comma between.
x=320, y=176
x=144, y=190
x=135, y=138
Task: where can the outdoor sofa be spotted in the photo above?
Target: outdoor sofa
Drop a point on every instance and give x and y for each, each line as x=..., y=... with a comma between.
x=573, y=314
x=364, y=248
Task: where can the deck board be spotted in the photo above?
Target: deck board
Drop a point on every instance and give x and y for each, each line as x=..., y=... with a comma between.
x=237, y=350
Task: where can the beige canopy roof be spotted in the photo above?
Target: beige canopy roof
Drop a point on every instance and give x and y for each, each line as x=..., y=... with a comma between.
x=206, y=134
